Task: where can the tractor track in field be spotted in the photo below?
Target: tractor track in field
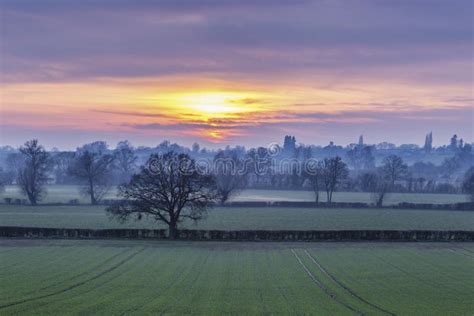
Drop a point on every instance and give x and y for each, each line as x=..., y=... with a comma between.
x=462, y=253
x=469, y=253
x=80, y=274
x=76, y=285
x=324, y=288
x=347, y=289
x=468, y=250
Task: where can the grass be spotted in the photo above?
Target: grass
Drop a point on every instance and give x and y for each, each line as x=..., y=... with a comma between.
x=71, y=277
x=65, y=193
x=271, y=218
x=136, y=277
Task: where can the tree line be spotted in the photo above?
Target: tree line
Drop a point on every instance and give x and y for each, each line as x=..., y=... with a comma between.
x=96, y=169
x=171, y=187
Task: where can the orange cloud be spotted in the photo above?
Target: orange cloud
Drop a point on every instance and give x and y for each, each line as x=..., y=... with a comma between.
x=210, y=109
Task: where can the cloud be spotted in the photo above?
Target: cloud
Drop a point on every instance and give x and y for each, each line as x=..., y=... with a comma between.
x=325, y=68
x=254, y=123
x=67, y=40
x=130, y=113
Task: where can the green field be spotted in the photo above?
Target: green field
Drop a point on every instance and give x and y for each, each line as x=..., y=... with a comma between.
x=84, y=277
x=236, y=218
x=135, y=277
x=65, y=193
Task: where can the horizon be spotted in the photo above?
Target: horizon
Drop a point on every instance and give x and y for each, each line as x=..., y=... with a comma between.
x=216, y=147
x=235, y=72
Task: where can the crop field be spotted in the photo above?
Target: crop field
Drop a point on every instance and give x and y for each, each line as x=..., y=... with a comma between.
x=236, y=218
x=65, y=193
x=135, y=277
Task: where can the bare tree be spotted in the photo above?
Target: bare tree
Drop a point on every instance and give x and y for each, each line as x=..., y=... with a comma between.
x=7, y=177
x=313, y=172
x=92, y=168
x=3, y=180
x=125, y=160
x=468, y=183
x=380, y=190
x=367, y=181
x=258, y=162
x=334, y=170
x=62, y=162
x=169, y=189
x=33, y=174
x=229, y=174
x=393, y=169
x=14, y=163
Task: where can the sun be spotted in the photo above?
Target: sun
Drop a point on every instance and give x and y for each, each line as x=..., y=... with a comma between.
x=207, y=105
x=213, y=114
x=218, y=103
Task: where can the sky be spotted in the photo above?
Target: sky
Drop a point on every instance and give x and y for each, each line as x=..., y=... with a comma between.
x=234, y=72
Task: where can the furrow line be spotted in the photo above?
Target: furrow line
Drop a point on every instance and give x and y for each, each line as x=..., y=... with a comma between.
x=347, y=289
x=324, y=288
x=76, y=285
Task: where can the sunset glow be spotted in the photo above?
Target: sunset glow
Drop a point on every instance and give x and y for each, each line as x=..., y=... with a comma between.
x=251, y=83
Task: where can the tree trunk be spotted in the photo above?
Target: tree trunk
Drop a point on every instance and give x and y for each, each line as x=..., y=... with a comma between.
x=380, y=200
x=91, y=190
x=173, y=231
x=32, y=199
x=224, y=198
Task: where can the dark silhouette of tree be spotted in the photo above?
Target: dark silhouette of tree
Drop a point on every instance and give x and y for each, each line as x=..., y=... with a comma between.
x=3, y=180
x=195, y=149
x=393, y=169
x=313, y=172
x=333, y=172
x=6, y=177
x=361, y=157
x=125, y=160
x=468, y=183
x=62, y=161
x=14, y=163
x=428, y=147
x=462, y=160
x=93, y=169
x=367, y=181
x=33, y=174
x=381, y=189
x=258, y=162
x=229, y=172
x=453, y=142
x=169, y=189
x=289, y=145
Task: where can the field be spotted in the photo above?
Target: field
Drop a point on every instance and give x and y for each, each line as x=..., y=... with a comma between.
x=134, y=277
x=265, y=218
x=65, y=193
